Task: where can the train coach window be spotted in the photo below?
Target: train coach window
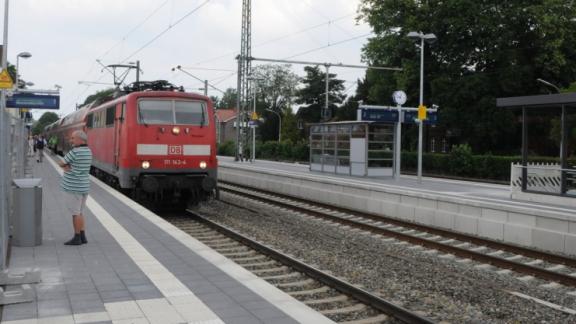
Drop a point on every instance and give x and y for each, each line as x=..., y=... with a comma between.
x=110, y=116
x=89, y=119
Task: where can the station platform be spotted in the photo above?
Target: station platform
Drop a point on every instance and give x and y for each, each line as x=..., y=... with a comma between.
x=136, y=268
x=481, y=209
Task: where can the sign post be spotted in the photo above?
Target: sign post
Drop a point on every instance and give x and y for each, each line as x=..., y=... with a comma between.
x=399, y=98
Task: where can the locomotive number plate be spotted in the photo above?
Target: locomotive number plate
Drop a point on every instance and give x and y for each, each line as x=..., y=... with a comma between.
x=175, y=150
x=174, y=162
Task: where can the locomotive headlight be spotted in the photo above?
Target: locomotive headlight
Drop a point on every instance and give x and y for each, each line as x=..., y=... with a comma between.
x=145, y=164
x=202, y=165
x=175, y=130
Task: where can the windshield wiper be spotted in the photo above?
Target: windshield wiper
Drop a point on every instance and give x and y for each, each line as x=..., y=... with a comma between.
x=203, y=119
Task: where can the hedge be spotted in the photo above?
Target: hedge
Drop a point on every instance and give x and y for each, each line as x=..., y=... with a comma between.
x=459, y=163
x=462, y=163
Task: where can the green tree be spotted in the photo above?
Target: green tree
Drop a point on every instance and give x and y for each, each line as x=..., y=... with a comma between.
x=46, y=119
x=99, y=96
x=275, y=87
x=312, y=96
x=348, y=110
x=290, y=131
x=228, y=100
x=485, y=50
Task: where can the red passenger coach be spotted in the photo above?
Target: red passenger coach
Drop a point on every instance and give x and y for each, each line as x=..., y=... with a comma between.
x=158, y=145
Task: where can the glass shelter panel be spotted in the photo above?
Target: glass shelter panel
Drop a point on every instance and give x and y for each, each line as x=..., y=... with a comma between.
x=380, y=146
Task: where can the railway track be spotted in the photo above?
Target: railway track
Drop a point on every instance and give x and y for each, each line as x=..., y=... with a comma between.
x=329, y=295
x=556, y=269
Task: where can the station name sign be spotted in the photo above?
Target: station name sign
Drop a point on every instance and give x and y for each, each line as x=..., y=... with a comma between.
x=33, y=101
x=391, y=116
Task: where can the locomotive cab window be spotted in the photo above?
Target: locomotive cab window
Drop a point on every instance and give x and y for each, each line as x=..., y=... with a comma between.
x=172, y=112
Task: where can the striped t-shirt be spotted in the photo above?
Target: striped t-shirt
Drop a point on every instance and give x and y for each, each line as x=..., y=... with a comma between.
x=77, y=179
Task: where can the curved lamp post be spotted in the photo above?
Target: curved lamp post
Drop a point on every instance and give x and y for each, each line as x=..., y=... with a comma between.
x=550, y=84
x=428, y=38
x=24, y=55
x=279, y=124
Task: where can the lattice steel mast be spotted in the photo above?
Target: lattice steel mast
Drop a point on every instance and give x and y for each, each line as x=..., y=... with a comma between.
x=244, y=89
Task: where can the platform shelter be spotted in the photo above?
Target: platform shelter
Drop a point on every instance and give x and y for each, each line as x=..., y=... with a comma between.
x=356, y=148
x=555, y=179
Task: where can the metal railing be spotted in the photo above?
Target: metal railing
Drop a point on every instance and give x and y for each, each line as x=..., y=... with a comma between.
x=544, y=178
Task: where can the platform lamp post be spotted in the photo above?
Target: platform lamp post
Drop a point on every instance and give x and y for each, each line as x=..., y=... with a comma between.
x=428, y=38
x=24, y=55
x=563, y=138
x=279, y=124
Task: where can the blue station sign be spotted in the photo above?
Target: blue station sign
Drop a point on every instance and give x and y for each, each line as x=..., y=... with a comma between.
x=391, y=116
x=380, y=115
x=410, y=116
x=35, y=101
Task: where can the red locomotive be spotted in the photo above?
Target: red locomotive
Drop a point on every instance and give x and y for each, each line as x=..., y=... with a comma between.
x=158, y=144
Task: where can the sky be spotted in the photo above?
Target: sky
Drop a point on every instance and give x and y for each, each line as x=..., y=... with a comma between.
x=67, y=38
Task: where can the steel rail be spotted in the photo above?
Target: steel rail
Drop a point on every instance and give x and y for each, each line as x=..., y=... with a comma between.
x=376, y=302
x=461, y=252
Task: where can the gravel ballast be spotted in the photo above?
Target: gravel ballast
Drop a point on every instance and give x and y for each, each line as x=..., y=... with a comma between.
x=443, y=289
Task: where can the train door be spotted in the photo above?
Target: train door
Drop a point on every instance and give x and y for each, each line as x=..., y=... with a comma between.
x=118, y=133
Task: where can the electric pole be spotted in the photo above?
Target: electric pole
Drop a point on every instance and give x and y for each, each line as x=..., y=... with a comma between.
x=244, y=69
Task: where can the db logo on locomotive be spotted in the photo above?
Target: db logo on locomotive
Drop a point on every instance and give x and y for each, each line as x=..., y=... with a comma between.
x=175, y=150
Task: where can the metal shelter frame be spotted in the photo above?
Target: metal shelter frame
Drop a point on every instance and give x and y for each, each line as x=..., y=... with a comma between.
x=561, y=101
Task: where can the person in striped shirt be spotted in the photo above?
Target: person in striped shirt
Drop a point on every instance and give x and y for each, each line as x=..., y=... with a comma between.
x=76, y=183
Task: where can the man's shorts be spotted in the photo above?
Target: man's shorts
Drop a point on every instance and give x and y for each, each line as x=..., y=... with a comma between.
x=75, y=203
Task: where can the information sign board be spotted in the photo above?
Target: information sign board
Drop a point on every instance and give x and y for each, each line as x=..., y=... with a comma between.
x=410, y=116
x=380, y=115
x=35, y=101
x=252, y=123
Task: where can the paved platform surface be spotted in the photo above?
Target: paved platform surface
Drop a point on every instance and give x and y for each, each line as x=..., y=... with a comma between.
x=136, y=268
x=472, y=191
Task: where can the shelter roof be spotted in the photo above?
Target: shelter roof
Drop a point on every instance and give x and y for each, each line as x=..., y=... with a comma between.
x=538, y=100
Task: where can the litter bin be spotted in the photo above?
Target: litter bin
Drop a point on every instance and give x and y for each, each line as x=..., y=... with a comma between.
x=27, y=220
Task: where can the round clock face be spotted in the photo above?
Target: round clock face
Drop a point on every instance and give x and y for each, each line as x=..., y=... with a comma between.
x=399, y=97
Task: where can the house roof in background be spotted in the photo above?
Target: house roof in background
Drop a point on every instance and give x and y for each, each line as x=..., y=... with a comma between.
x=225, y=115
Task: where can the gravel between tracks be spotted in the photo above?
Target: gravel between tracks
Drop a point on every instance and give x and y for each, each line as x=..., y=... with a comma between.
x=443, y=290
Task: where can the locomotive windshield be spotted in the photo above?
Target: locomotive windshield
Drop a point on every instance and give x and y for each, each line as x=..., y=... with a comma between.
x=151, y=111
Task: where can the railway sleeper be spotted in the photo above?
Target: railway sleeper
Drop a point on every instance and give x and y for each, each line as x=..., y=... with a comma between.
x=334, y=299
x=344, y=310
x=207, y=239
x=244, y=254
x=259, y=264
x=271, y=270
x=302, y=283
x=249, y=259
x=223, y=244
x=282, y=276
x=239, y=248
x=320, y=290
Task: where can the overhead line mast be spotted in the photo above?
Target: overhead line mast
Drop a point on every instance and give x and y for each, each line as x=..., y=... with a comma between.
x=244, y=69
